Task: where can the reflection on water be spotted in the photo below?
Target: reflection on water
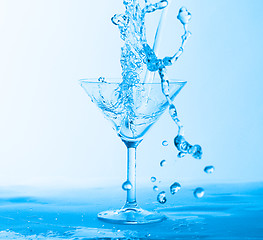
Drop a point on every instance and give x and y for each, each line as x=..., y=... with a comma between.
x=225, y=212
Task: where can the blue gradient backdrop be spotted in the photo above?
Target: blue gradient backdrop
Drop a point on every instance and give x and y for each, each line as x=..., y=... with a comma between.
x=50, y=132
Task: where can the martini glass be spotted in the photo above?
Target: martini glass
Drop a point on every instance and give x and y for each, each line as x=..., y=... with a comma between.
x=132, y=109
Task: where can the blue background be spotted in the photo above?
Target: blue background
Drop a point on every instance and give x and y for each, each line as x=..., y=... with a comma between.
x=50, y=132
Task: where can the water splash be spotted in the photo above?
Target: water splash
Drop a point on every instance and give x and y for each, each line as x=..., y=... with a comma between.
x=165, y=143
x=136, y=53
x=185, y=148
x=155, y=188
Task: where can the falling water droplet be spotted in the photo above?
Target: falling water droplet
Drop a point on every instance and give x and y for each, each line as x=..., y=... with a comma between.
x=126, y=186
x=155, y=188
x=172, y=111
x=162, y=163
x=184, y=16
x=181, y=154
x=197, y=152
x=165, y=143
x=175, y=187
x=161, y=198
x=209, y=169
x=153, y=179
x=199, y=192
x=127, y=2
x=162, y=4
x=101, y=79
x=120, y=20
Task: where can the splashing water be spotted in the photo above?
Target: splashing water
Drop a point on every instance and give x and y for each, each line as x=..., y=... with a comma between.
x=199, y=192
x=161, y=197
x=136, y=53
x=175, y=187
x=184, y=147
x=165, y=143
x=155, y=188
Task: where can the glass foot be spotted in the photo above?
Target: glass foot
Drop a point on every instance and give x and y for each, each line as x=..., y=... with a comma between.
x=131, y=216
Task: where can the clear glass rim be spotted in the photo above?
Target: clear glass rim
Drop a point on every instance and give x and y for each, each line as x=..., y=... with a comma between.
x=119, y=80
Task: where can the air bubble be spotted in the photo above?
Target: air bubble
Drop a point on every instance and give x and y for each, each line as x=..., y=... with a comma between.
x=165, y=143
x=155, y=188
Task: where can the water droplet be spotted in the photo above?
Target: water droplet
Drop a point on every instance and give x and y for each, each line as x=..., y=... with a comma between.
x=155, y=188
x=118, y=230
x=209, y=169
x=181, y=144
x=167, y=61
x=172, y=111
x=161, y=198
x=175, y=187
x=101, y=79
x=162, y=4
x=184, y=16
x=165, y=143
x=197, y=152
x=127, y=2
x=126, y=186
x=153, y=179
x=181, y=154
x=120, y=20
x=199, y=192
x=162, y=163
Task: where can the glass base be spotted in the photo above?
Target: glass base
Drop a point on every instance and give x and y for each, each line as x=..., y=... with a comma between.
x=131, y=216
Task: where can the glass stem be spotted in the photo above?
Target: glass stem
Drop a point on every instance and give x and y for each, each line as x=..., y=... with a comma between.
x=131, y=173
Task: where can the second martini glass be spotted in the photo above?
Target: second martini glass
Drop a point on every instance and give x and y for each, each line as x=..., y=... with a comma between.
x=132, y=109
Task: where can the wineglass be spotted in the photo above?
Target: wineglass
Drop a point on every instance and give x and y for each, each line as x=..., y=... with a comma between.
x=132, y=109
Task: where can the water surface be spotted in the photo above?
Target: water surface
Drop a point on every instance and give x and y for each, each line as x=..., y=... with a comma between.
x=225, y=212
